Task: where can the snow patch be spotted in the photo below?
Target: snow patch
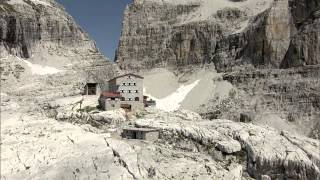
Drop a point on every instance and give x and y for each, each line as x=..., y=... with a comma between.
x=41, y=2
x=208, y=8
x=174, y=100
x=36, y=2
x=41, y=70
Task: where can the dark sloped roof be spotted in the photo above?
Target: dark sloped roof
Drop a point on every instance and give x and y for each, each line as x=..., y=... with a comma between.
x=129, y=74
x=139, y=129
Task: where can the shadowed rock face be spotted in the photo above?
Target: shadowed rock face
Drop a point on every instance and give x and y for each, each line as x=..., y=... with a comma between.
x=304, y=48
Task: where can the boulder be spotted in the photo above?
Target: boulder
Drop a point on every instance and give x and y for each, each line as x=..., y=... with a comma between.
x=229, y=147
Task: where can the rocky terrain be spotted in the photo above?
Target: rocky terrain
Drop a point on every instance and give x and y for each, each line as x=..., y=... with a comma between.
x=50, y=131
x=75, y=144
x=255, y=148
x=268, y=50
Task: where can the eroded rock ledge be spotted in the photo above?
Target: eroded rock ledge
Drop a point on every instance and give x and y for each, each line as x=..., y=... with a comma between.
x=269, y=152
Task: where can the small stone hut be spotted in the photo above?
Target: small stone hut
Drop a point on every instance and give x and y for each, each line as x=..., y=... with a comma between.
x=140, y=133
x=92, y=88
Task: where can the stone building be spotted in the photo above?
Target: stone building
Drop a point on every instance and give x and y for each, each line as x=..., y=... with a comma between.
x=93, y=88
x=140, y=133
x=125, y=92
x=110, y=100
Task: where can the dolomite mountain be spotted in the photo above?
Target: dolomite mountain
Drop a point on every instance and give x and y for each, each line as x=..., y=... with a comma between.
x=50, y=131
x=268, y=50
x=39, y=38
x=275, y=34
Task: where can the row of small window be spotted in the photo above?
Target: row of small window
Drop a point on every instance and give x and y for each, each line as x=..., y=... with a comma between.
x=130, y=99
x=129, y=84
x=129, y=91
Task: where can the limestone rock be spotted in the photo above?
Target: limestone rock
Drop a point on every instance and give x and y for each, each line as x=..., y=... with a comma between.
x=304, y=48
x=229, y=147
x=27, y=24
x=180, y=33
x=269, y=152
x=188, y=115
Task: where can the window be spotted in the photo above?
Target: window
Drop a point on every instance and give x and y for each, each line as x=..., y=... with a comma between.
x=129, y=91
x=134, y=84
x=129, y=99
x=112, y=99
x=123, y=84
x=137, y=91
x=122, y=91
x=129, y=84
x=136, y=98
x=123, y=99
x=129, y=77
x=112, y=105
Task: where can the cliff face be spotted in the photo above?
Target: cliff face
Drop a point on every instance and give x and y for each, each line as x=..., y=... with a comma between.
x=263, y=34
x=304, y=48
x=27, y=24
x=39, y=39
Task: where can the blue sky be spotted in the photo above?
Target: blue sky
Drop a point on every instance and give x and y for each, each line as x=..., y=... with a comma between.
x=101, y=19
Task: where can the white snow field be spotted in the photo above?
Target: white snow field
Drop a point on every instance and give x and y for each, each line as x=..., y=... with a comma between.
x=174, y=100
x=41, y=70
x=188, y=91
x=41, y=2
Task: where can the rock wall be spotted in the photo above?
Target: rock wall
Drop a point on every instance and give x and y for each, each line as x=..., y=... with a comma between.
x=149, y=37
x=304, y=48
x=25, y=24
x=292, y=95
x=158, y=34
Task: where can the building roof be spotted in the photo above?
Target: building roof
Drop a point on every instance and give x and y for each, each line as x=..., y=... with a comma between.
x=129, y=74
x=139, y=129
x=111, y=94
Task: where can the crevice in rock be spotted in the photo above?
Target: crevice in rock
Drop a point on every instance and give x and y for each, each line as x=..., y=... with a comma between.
x=310, y=156
x=121, y=161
